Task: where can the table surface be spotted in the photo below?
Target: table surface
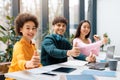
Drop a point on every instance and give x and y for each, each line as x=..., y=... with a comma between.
x=35, y=74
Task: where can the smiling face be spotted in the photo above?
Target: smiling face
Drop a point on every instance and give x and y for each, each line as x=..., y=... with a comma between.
x=85, y=28
x=59, y=28
x=28, y=30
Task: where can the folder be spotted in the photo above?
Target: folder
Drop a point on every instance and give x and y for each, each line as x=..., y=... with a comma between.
x=100, y=73
x=80, y=77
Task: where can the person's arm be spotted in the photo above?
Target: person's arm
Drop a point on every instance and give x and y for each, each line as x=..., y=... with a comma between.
x=34, y=62
x=22, y=60
x=90, y=45
x=90, y=58
x=81, y=57
x=49, y=46
x=19, y=54
x=87, y=48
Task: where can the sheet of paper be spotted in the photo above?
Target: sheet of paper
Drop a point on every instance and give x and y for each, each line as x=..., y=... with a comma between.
x=75, y=63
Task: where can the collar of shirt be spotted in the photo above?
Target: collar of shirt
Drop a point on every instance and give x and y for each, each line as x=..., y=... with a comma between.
x=26, y=42
x=58, y=37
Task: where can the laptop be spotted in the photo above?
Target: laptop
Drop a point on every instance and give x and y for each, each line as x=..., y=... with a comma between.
x=101, y=65
x=110, y=52
x=117, y=58
x=116, y=54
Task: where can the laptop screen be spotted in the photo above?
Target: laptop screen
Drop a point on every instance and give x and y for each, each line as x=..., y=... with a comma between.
x=110, y=52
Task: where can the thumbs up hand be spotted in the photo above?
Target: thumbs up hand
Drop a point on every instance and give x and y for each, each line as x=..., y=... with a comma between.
x=91, y=58
x=34, y=62
x=74, y=52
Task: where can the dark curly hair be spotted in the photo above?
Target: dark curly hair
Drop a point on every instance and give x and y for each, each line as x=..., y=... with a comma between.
x=21, y=19
x=79, y=28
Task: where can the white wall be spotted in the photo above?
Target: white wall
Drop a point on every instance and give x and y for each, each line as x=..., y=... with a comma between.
x=108, y=20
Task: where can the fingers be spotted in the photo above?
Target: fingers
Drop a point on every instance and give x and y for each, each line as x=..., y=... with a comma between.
x=96, y=37
x=35, y=53
x=30, y=65
x=75, y=51
x=33, y=63
x=35, y=57
x=90, y=54
x=35, y=60
x=91, y=57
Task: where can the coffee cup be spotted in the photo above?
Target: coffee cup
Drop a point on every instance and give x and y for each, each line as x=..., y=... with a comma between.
x=113, y=64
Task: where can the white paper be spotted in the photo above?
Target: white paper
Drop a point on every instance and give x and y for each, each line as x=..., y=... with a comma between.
x=76, y=63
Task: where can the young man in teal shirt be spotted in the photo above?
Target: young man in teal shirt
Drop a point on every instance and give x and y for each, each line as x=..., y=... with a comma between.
x=56, y=48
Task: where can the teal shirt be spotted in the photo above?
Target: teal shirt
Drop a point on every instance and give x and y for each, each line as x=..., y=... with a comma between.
x=54, y=50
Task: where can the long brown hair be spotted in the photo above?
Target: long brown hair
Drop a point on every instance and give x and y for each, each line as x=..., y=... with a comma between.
x=79, y=28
